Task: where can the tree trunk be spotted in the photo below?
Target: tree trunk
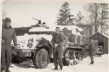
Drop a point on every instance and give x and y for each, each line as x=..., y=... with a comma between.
x=96, y=28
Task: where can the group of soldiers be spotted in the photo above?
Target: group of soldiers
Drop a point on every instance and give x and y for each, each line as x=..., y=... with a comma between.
x=60, y=43
x=8, y=34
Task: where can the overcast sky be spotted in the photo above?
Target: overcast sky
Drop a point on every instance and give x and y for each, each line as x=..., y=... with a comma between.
x=21, y=12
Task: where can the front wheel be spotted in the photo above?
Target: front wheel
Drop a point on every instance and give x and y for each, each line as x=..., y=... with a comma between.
x=41, y=58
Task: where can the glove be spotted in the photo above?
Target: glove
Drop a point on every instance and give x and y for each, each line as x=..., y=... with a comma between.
x=16, y=47
x=14, y=52
x=56, y=45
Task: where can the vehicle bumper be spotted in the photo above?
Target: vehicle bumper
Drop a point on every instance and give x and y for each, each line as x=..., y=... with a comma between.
x=25, y=52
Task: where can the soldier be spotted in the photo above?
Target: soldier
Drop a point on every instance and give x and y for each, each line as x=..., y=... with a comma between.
x=8, y=34
x=91, y=50
x=58, y=51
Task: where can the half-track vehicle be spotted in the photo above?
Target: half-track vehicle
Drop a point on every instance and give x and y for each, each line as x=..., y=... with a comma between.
x=37, y=47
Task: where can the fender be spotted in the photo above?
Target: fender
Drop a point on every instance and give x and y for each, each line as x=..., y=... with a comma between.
x=43, y=43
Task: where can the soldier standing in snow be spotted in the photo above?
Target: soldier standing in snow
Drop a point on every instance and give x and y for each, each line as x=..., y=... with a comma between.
x=8, y=34
x=91, y=50
x=58, y=51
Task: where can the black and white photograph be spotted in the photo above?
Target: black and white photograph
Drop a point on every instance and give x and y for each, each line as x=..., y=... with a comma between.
x=54, y=36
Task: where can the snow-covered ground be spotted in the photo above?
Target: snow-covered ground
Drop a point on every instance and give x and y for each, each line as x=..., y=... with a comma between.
x=100, y=65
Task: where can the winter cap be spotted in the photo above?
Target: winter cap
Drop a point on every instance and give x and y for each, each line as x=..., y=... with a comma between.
x=7, y=20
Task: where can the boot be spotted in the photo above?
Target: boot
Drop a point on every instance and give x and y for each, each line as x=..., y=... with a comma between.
x=7, y=70
x=2, y=69
x=56, y=68
x=92, y=62
x=61, y=67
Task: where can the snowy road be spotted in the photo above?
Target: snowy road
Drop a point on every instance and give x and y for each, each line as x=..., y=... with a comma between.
x=100, y=65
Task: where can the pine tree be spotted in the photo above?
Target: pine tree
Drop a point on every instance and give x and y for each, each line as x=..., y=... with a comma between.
x=65, y=17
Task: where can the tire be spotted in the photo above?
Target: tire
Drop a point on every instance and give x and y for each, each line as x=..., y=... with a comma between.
x=65, y=59
x=41, y=58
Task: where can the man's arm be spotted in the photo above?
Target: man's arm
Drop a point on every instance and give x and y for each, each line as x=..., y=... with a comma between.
x=14, y=38
x=52, y=41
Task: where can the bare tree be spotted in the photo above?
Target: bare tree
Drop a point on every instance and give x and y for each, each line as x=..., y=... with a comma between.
x=79, y=18
x=98, y=14
x=93, y=8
